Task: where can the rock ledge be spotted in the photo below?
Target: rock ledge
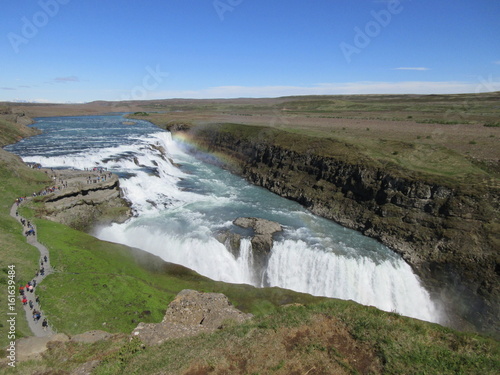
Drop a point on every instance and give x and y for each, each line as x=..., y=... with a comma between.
x=189, y=314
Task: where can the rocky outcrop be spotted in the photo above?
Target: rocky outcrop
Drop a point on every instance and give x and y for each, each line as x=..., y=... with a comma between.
x=261, y=239
x=448, y=235
x=189, y=314
x=86, y=201
x=231, y=240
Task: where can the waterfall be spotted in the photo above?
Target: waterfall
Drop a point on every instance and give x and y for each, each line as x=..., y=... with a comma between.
x=389, y=285
x=181, y=206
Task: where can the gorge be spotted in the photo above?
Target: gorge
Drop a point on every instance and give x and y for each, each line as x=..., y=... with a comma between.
x=447, y=234
x=181, y=203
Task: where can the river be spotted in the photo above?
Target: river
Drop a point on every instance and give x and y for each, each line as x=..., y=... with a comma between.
x=181, y=203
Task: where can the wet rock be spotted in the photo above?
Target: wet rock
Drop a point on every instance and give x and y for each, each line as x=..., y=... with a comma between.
x=260, y=226
x=83, y=205
x=231, y=240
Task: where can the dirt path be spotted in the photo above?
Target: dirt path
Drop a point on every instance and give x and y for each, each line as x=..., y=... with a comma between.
x=35, y=326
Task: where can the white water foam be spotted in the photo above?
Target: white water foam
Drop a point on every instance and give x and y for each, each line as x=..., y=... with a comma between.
x=196, y=250
x=390, y=285
x=173, y=224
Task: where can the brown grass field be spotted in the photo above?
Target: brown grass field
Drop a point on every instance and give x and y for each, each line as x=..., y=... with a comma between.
x=452, y=136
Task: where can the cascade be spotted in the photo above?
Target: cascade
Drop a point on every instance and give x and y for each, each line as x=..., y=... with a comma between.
x=181, y=203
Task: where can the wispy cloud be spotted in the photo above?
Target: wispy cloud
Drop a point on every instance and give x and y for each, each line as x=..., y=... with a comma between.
x=349, y=88
x=25, y=87
x=8, y=88
x=412, y=68
x=496, y=62
x=66, y=79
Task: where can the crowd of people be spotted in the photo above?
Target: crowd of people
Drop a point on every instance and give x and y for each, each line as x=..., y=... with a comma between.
x=26, y=293
x=29, y=229
x=101, y=176
x=43, y=192
x=34, y=165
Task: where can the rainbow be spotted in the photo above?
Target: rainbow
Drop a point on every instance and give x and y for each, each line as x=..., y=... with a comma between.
x=214, y=157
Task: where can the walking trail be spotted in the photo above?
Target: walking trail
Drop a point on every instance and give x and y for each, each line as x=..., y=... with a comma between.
x=74, y=179
x=35, y=326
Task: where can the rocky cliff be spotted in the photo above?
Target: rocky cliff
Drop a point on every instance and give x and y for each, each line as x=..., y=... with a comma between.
x=83, y=199
x=189, y=314
x=448, y=235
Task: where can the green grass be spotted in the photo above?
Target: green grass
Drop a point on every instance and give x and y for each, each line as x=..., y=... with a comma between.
x=15, y=180
x=409, y=346
x=123, y=286
x=402, y=346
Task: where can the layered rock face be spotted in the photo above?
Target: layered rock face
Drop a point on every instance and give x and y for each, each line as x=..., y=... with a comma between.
x=450, y=237
x=84, y=204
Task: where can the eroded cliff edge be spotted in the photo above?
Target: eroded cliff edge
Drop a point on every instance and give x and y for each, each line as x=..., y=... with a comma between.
x=83, y=199
x=448, y=234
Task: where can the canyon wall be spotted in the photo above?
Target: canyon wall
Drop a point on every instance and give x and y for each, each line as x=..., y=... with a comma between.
x=448, y=235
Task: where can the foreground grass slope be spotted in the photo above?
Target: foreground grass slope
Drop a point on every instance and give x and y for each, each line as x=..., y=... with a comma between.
x=332, y=337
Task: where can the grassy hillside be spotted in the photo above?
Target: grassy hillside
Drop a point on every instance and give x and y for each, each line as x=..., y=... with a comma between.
x=16, y=180
x=333, y=337
x=418, y=160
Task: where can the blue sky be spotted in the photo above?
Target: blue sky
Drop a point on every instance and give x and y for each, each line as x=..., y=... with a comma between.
x=79, y=51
